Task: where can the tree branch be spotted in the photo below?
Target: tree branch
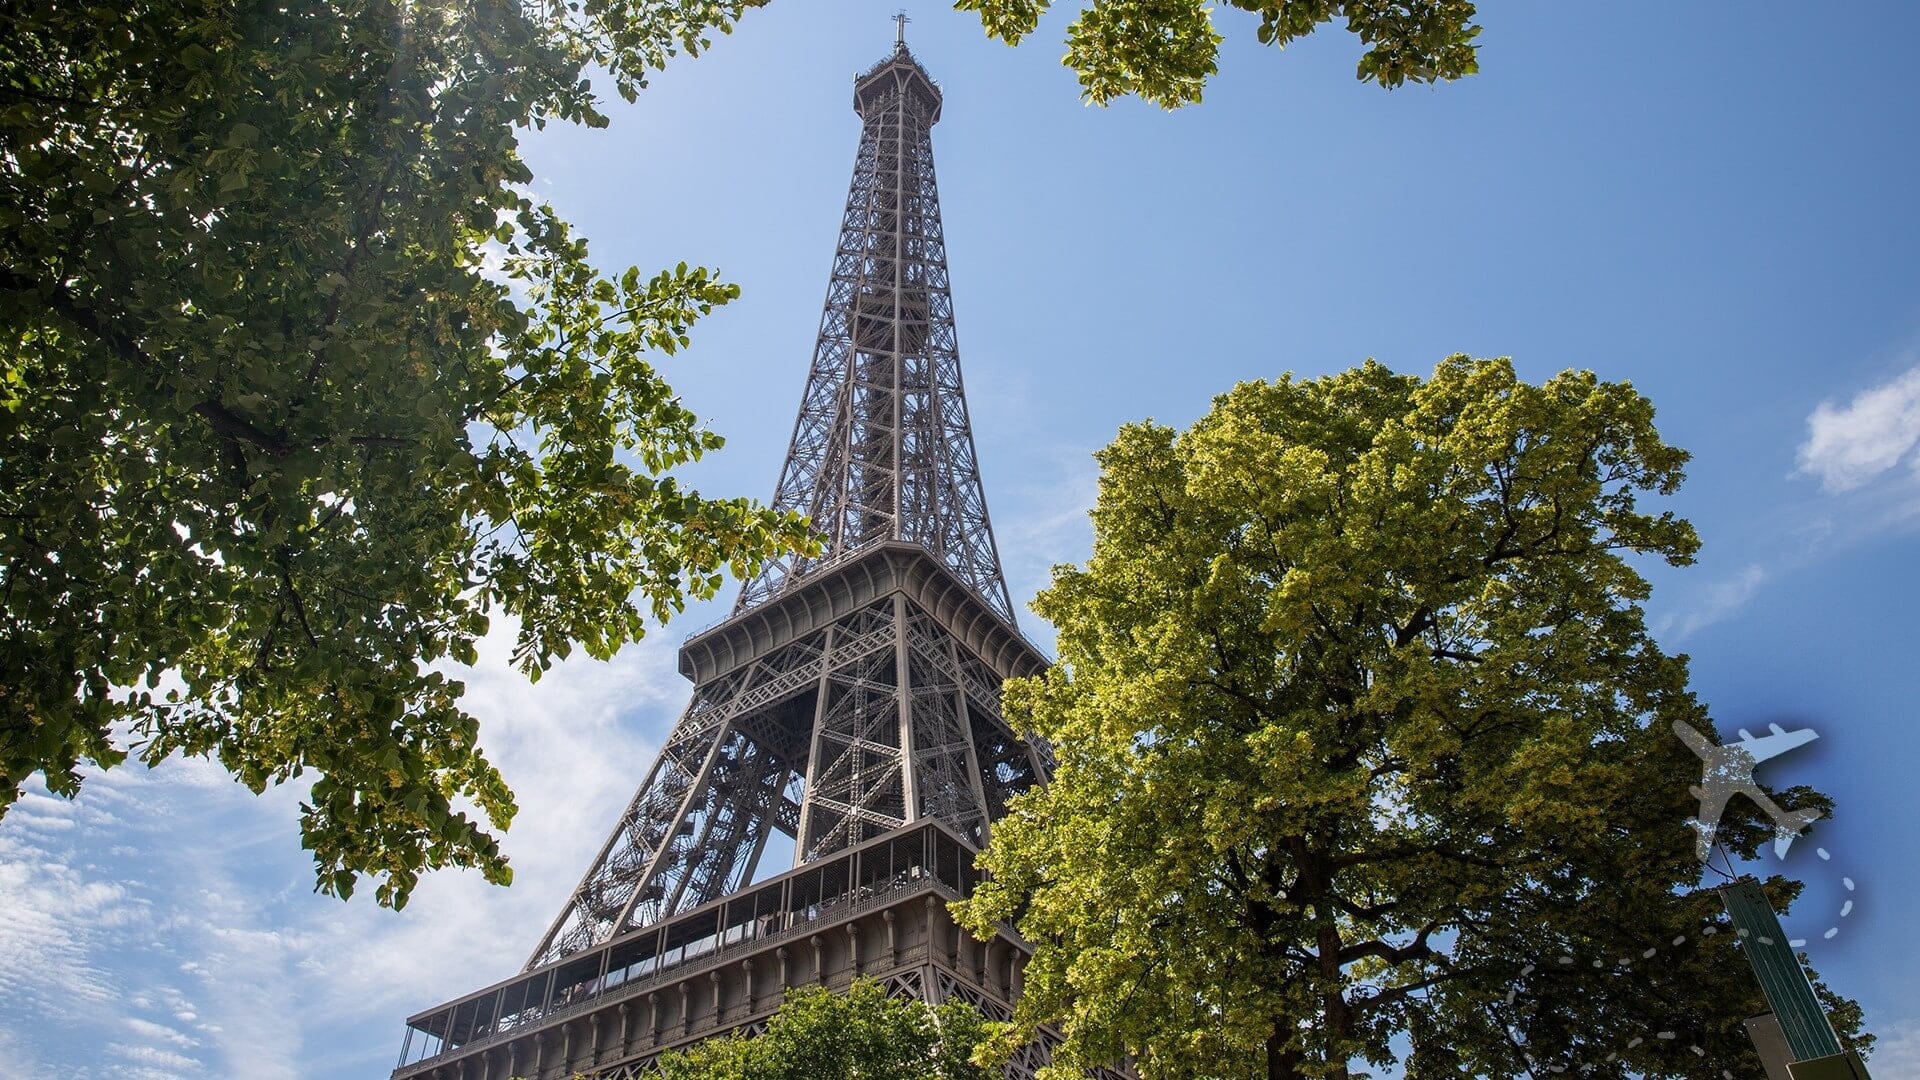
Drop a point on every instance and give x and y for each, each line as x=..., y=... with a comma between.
x=1417, y=949
x=226, y=423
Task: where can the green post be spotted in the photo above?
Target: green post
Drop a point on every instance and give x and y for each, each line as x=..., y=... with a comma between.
x=1817, y=1053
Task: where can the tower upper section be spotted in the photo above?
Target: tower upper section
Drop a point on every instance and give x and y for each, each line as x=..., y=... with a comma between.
x=882, y=449
x=898, y=75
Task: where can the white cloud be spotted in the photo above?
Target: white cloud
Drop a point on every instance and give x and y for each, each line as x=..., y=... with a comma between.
x=1897, y=1053
x=177, y=908
x=1720, y=599
x=153, y=1032
x=151, y=1061
x=20, y=1058
x=1046, y=523
x=573, y=750
x=1849, y=445
x=573, y=753
x=55, y=926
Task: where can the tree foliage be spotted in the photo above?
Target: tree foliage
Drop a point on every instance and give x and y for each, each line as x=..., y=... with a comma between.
x=860, y=1035
x=298, y=385
x=1165, y=50
x=1360, y=731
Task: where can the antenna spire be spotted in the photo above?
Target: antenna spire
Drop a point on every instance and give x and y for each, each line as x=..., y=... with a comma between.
x=900, y=29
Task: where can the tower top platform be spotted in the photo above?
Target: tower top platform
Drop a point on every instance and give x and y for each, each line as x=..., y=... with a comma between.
x=897, y=75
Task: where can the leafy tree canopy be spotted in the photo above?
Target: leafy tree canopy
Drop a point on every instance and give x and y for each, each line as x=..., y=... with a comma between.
x=860, y=1035
x=1360, y=730
x=298, y=385
x=1165, y=50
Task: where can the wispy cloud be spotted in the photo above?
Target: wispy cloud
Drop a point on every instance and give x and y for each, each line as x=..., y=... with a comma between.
x=1897, y=1053
x=164, y=923
x=153, y=1032
x=1855, y=449
x=54, y=924
x=1047, y=523
x=1719, y=600
x=148, y=1062
x=20, y=1058
x=1039, y=485
x=1849, y=445
x=573, y=749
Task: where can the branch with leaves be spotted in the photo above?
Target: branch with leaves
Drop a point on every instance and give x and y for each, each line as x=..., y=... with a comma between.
x=1164, y=51
x=275, y=442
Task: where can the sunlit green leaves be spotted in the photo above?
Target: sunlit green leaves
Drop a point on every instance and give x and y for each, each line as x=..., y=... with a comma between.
x=1164, y=51
x=274, y=443
x=1357, y=717
x=860, y=1035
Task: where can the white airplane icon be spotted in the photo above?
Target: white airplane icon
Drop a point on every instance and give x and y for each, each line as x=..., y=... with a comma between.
x=1729, y=772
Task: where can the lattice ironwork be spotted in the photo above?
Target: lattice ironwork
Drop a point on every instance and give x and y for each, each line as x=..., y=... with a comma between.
x=850, y=703
x=882, y=717
x=878, y=719
x=882, y=449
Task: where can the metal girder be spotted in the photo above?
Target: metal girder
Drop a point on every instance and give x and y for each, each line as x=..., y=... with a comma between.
x=882, y=448
x=882, y=716
x=835, y=708
x=874, y=721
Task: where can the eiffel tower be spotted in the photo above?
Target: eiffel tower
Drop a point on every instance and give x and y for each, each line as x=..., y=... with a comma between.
x=850, y=703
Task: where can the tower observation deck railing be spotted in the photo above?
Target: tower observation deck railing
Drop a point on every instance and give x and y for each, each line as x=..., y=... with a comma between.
x=881, y=872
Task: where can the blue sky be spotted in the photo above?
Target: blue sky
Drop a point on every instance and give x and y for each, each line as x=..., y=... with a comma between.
x=1714, y=202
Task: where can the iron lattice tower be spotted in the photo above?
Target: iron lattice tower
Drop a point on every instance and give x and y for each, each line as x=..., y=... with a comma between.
x=851, y=702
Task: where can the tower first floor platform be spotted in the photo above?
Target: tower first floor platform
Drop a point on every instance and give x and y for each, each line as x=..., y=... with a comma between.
x=878, y=910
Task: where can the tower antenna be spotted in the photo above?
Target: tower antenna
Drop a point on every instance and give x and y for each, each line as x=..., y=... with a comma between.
x=900, y=29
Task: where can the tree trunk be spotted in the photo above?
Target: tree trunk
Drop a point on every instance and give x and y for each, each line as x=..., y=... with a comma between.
x=1282, y=1064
